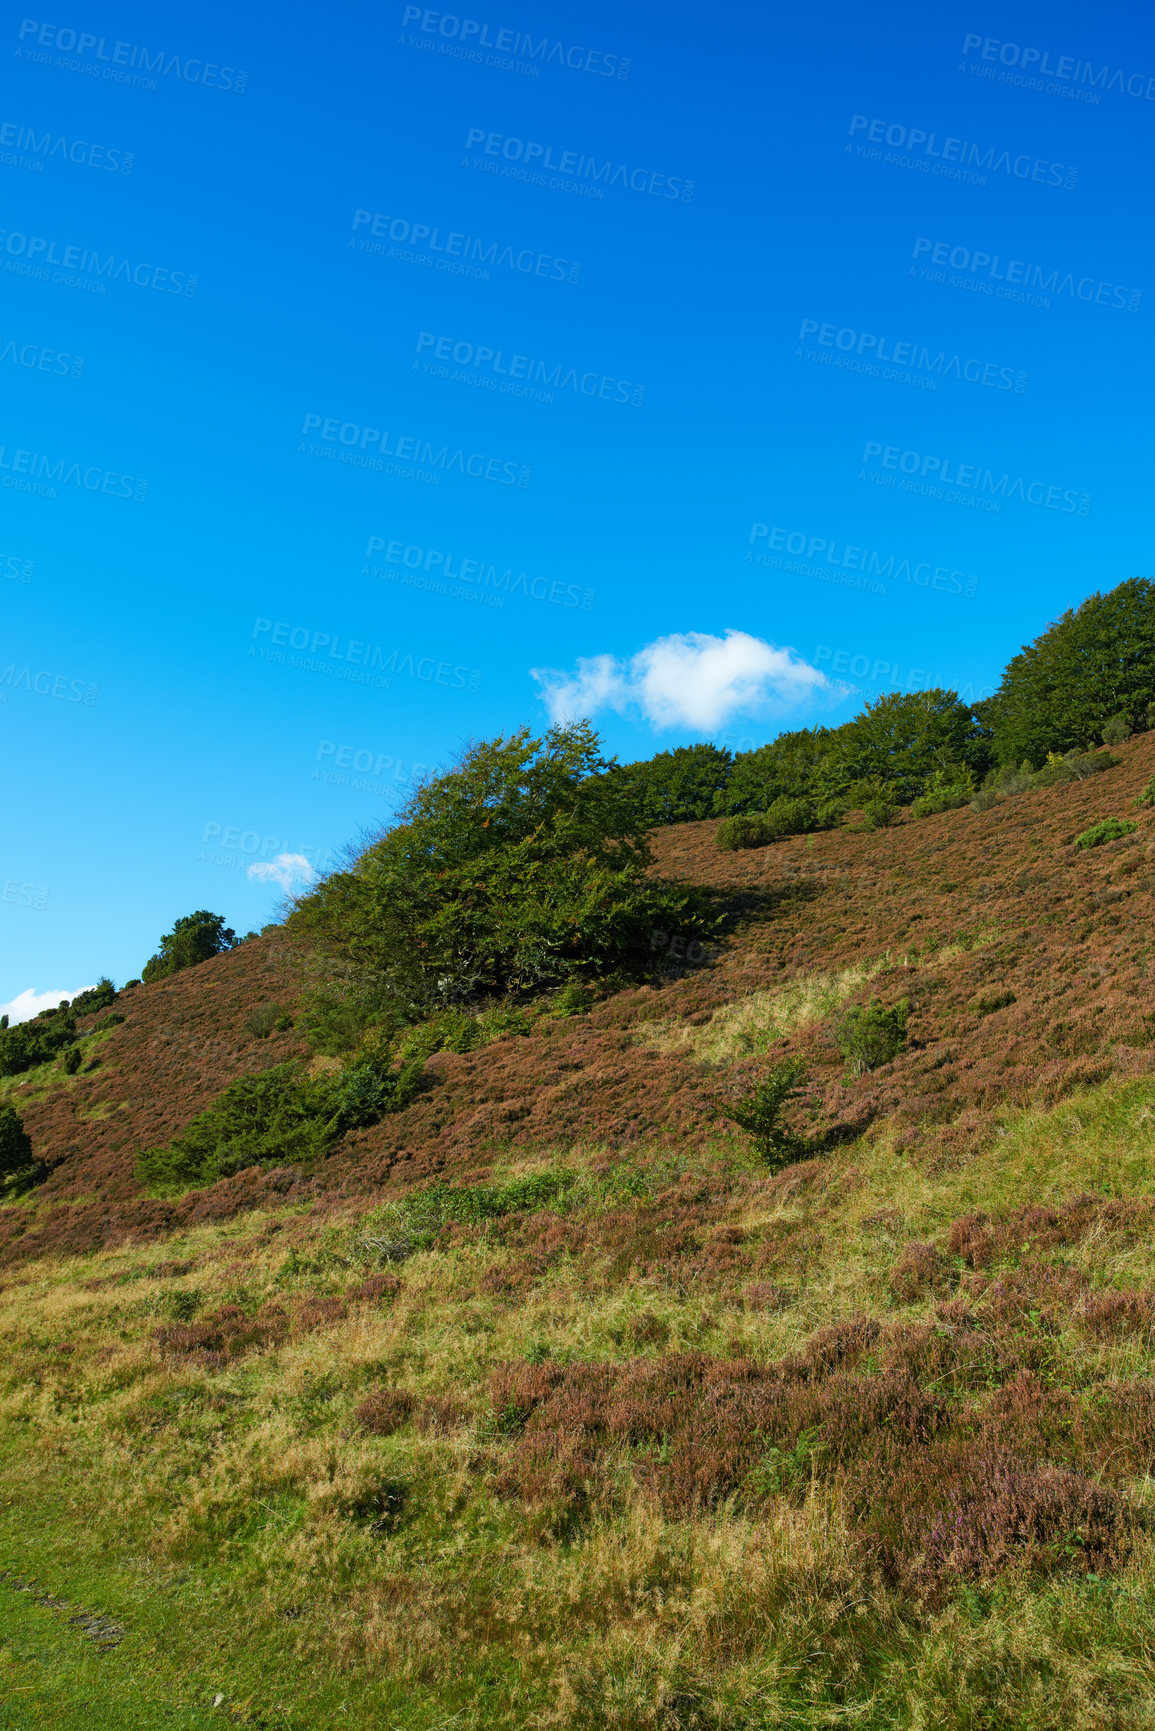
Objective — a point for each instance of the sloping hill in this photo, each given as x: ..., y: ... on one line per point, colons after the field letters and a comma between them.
x: 956, y: 912
x: 544, y: 1403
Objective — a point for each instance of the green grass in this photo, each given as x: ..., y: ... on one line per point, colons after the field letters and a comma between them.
x: 225, y: 1517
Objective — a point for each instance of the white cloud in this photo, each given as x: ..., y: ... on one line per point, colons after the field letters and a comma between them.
x: 290, y: 870
x: 27, y: 1004
x: 688, y: 679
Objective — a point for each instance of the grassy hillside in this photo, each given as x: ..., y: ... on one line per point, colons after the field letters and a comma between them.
x: 543, y: 1402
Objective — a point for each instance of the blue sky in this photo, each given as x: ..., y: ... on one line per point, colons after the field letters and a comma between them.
x: 358, y: 321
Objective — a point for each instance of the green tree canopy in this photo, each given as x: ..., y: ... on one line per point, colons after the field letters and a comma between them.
x: 675, y: 786
x: 520, y: 868
x: 902, y: 739
x: 786, y: 768
x: 1095, y: 662
x: 193, y: 939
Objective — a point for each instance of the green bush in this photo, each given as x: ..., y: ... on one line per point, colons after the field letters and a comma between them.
x: 785, y: 816
x: 426, y: 1211
x: 71, y: 1060
x: 870, y: 1035
x: 948, y: 791
x: 1107, y: 829
x: 760, y: 1114
x: 735, y: 833
x: 97, y: 997
x: 280, y: 1115
x: 518, y: 870
x: 1057, y: 771
x: 193, y: 939
x: 1116, y: 730
x: 879, y: 811
x: 574, y: 999
x: 15, y: 1143
x: 36, y: 1042
x: 1147, y: 797
x: 261, y: 1021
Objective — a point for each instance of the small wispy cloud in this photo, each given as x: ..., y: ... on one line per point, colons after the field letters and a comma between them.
x: 688, y: 679
x: 27, y: 1004
x: 291, y: 870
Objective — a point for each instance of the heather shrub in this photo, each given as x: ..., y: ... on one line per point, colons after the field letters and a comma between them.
x: 15, y: 1143
x: 870, y: 1035
x: 760, y: 1114
x: 384, y: 1411
x: 1107, y: 829
x: 280, y: 1115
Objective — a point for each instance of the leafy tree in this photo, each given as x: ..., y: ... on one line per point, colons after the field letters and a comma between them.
x: 675, y: 786
x: 97, y: 997
x: 1094, y: 664
x: 193, y: 939
x: 522, y: 867
x: 903, y: 740
x: 870, y: 1035
x: 760, y: 1114
x: 789, y: 767
x: 15, y: 1143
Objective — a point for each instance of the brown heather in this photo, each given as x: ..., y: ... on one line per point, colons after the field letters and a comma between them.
x: 866, y: 1441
